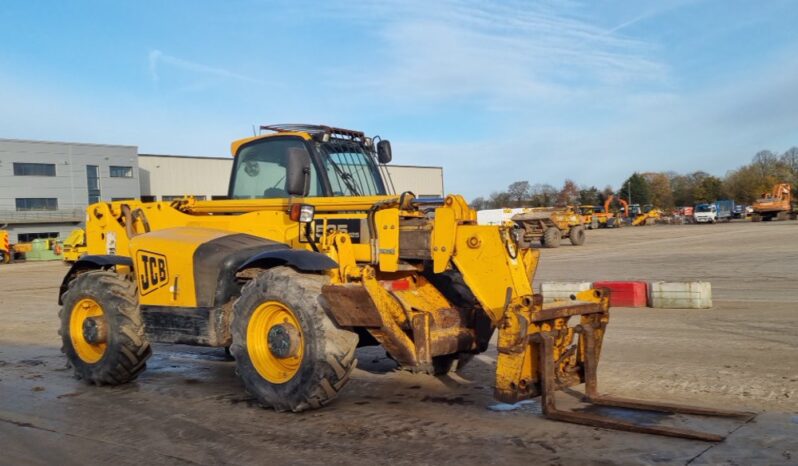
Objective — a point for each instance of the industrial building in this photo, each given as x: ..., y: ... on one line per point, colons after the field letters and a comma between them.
x: 46, y: 186
x: 167, y: 177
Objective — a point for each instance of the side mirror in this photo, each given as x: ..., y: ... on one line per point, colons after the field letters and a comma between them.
x: 297, y: 172
x: 384, y: 151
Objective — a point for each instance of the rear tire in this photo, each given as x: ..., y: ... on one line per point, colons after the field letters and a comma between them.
x: 123, y: 355
x: 551, y: 238
x: 326, y: 353
x: 577, y: 235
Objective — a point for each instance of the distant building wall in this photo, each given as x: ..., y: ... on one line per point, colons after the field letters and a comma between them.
x: 173, y: 176
x: 47, y: 192
x: 166, y: 176
x: 45, y: 186
x: 421, y: 181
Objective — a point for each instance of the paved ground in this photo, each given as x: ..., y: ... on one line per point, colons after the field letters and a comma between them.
x: 188, y: 407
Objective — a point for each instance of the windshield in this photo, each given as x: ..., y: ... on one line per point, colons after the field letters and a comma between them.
x: 350, y: 170
x: 260, y: 169
x: 703, y: 208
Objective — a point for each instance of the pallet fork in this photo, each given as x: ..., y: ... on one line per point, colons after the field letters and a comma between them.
x: 589, y: 344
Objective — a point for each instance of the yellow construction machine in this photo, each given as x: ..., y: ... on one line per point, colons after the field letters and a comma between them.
x: 74, y: 246
x: 549, y: 225
x: 311, y: 257
x: 6, y: 250
x: 645, y: 216
x: 594, y: 216
x: 9, y: 252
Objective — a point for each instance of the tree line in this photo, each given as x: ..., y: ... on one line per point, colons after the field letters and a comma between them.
x: 665, y: 190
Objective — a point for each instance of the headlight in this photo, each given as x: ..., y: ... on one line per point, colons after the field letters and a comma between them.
x: 302, y: 213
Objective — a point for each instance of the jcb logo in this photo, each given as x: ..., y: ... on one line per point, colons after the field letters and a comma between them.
x: 152, y: 271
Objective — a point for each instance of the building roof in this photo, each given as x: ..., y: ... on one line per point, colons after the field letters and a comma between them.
x: 66, y: 142
x: 202, y: 157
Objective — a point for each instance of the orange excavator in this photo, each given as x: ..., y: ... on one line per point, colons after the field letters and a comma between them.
x: 773, y: 205
x: 616, y: 219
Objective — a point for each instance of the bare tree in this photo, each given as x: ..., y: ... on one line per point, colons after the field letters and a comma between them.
x: 479, y: 203
x: 519, y: 191
x: 499, y: 200
x: 790, y: 159
x: 569, y: 194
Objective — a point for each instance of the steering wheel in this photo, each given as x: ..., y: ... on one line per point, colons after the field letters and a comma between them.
x: 274, y: 192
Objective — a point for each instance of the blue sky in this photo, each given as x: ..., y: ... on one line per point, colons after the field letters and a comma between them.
x: 492, y: 91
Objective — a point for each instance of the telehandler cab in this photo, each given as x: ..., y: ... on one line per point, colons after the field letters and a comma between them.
x: 312, y: 256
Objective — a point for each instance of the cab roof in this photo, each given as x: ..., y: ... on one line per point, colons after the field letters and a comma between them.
x: 304, y: 131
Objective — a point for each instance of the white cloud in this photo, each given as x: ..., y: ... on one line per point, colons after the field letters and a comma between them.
x: 549, y: 94
x: 157, y: 58
x: 712, y: 130
x: 504, y: 53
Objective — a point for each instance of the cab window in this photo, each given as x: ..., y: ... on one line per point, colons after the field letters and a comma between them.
x: 260, y: 169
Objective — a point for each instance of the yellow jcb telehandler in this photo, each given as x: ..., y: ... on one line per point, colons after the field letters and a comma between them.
x: 311, y: 257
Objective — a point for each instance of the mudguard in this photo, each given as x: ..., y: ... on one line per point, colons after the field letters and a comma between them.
x: 217, y: 262
x: 306, y: 261
x: 91, y: 263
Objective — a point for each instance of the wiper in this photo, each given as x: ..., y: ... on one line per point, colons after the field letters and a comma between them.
x: 350, y: 183
x: 346, y: 177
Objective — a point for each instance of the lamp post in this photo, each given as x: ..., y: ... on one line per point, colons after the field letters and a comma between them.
x: 629, y: 190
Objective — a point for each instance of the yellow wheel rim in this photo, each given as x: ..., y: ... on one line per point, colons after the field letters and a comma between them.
x: 86, y: 351
x: 269, y: 318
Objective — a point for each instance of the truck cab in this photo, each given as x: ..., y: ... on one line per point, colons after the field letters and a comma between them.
x: 705, y: 213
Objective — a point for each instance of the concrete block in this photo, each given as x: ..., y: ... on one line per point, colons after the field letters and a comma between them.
x: 554, y: 291
x: 626, y: 294
x: 681, y: 295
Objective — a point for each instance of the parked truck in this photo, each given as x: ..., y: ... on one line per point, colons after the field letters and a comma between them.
x: 725, y: 210
x: 546, y: 225
x: 718, y: 211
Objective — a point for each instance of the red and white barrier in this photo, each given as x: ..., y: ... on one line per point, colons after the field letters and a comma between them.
x: 658, y: 294
x: 626, y: 294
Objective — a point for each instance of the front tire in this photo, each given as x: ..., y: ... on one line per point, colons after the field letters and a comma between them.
x: 551, y: 238
x: 577, y: 235
x: 102, y: 331
x: 289, y: 354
